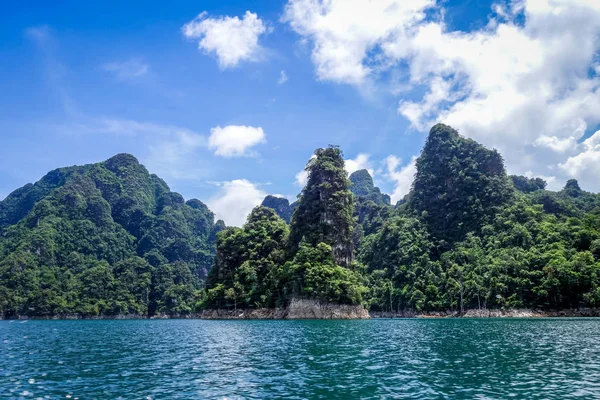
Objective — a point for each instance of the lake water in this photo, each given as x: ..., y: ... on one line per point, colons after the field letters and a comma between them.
x: 372, y: 359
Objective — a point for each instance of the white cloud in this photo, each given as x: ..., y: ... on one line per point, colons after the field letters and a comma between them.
x: 518, y: 84
x: 235, y: 200
x: 127, y: 70
x: 556, y: 144
x: 235, y: 140
x: 283, y: 78
x: 233, y: 40
x: 402, y: 176
x: 302, y: 178
x: 585, y: 166
x: 360, y: 162
x: 418, y: 113
x: 343, y: 32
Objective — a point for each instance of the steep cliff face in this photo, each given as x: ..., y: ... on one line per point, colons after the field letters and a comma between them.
x: 314, y: 309
x: 325, y: 207
x: 297, y: 309
x: 459, y: 185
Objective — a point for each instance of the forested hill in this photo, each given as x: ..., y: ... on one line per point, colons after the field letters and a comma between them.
x: 466, y: 236
x: 106, y: 238
x: 110, y: 238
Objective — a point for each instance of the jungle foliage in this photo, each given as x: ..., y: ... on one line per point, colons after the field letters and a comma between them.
x: 266, y: 263
x: 470, y: 236
x: 103, y: 239
x: 110, y: 238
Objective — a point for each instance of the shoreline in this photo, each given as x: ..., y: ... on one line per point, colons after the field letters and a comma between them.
x: 492, y: 313
x: 324, y: 311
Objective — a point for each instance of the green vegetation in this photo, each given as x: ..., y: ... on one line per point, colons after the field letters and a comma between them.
x: 248, y: 269
x: 325, y: 207
x: 371, y: 207
x: 459, y: 185
x: 468, y: 237
x: 103, y: 239
x: 265, y: 264
x: 110, y: 238
x: 528, y: 185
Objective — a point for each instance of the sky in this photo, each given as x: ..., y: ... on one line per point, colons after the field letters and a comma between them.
x: 227, y: 100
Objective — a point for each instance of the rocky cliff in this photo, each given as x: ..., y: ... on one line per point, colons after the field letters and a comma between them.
x: 297, y: 309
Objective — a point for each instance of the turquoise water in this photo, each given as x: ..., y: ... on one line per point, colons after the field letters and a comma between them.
x: 405, y: 359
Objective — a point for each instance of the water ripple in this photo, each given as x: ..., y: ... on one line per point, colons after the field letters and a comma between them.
x: 399, y: 359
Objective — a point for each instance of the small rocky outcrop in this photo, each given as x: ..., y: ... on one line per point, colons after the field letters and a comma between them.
x: 314, y: 309
x: 297, y: 309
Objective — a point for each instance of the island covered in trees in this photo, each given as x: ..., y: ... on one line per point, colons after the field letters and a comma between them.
x: 110, y: 239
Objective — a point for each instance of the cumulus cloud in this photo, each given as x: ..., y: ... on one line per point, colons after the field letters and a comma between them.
x: 585, y: 165
x: 343, y: 32
x: 518, y: 84
x: 360, y: 162
x: 235, y: 140
x: 127, y: 70
x: 235, y: 200
x: 302, y: 178
x: 402, y: 176
x: 231, y: 39
x: 524, y: 87
x: 556, y: 144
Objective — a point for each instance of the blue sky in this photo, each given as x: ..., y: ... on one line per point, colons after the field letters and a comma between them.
x: 227, y: 100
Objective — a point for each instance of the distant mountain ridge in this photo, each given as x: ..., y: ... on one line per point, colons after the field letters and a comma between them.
x: 281, y: 206
x: 363, y: 187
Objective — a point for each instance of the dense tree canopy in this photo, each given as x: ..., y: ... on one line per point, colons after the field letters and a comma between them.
x: 248, y: 270
x: 371, y: 206
x: 466, y: 239
x: 110, y: 238
x: 362, y: 186
x: 262, y: 264
x: 459, y: 185
x: 527, y: 185
x: 102, y: 239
